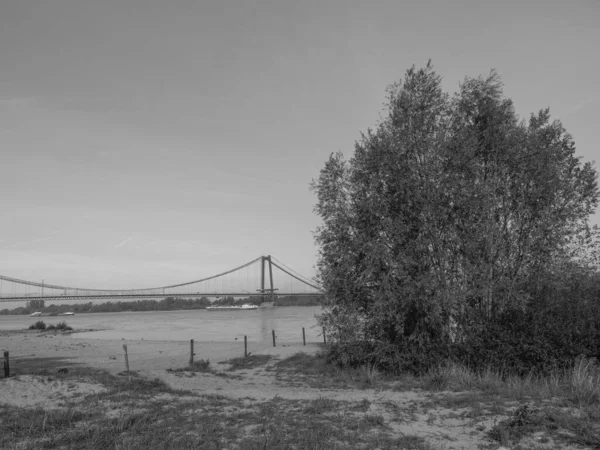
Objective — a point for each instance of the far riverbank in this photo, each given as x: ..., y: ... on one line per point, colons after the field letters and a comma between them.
x: 166, y: 304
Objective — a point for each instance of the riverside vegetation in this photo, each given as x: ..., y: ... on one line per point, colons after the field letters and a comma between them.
x: 166, y: 304
x: 41, y: 325
x: 460, y: 232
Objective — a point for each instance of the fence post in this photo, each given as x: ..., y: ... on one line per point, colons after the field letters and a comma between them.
x: 303, y: 337
x: 191, y: 352
x: 245, y: 346
x: 273, y: 331
x: 126, y: 358
x: 324, y: 336
x: 6, y: 365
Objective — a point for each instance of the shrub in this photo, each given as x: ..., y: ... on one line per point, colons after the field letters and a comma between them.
x: 584, y: 381
x: 63, y: 326
x: 248, y: 362
x: 200, y: 365
x: 39, y: 325
x: 551, y: 332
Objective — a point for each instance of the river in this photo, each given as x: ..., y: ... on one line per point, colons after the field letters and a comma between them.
x: 200, y: 325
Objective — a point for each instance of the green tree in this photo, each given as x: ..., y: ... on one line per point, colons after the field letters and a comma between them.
x: 36, y: 304
x: 445, y: 212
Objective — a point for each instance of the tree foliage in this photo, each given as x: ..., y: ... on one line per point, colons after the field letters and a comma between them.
x: 36, y: 305
x: 445, y: 218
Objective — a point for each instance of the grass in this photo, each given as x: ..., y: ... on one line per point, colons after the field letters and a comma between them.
x: 584, y: 381
x: 569, y: 401
x: 316, y: 372
x: 201, y: 365
x: 137, y: 413
x: 148, y: 414
x: 248, y: 362
x: 39, y: 365
x: 580, y: 384
x: 235, y: 364
x: 563, y: 406
x: 556, y: 425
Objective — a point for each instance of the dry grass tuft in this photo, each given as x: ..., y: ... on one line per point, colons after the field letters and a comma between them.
x: 584, y: 381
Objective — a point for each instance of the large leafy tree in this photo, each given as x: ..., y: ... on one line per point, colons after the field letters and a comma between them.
x: 446, y: 211
x: 36, y: 304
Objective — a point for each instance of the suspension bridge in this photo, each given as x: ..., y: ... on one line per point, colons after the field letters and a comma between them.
x: 264, y: 276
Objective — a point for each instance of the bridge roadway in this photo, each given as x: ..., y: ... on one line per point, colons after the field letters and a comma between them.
x: 142, y: 296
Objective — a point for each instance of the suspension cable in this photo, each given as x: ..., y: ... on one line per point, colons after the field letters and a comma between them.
x: 53, y: 286
x: 292, y: 270
x: 294, y: 276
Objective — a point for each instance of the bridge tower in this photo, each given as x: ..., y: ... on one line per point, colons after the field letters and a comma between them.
x: 271, y: 290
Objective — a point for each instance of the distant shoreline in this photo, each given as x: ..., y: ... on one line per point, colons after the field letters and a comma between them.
x: 166, y: 304
x: 45, y: 315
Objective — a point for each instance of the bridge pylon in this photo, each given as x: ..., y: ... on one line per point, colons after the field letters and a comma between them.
x: 262, y: 289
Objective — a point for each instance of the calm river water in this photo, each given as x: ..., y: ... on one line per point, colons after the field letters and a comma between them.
x: 200, y: 325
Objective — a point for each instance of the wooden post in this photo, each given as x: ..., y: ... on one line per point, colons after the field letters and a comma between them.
x: 191, y: 352
x: 273, y: 332
x: 324, y: 336
x: 126, y: 358
x: 303, y: 337
x: 245, y: 346
x: 6, y: 365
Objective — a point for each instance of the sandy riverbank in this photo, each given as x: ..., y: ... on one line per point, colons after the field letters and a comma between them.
x: 33, y: 350
x: 405, y: 411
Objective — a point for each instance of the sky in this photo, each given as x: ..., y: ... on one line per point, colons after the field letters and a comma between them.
x: 147, y: 142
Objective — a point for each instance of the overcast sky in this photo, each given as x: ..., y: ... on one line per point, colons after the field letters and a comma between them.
x: 148, y: 142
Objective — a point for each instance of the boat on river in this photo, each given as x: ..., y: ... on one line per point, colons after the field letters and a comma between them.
x: 35, y: 314
x: 244, y: 307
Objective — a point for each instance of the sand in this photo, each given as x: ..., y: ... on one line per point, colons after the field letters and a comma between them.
x: 44, y: 391
x: 32, y: 350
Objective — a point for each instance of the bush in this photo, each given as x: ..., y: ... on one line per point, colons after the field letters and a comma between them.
x: 60, y: 326
x: 556, y: 328
x: 351, y: 354
x: 63, y: 326
x: 200, y: 365
x: 39, y: 325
